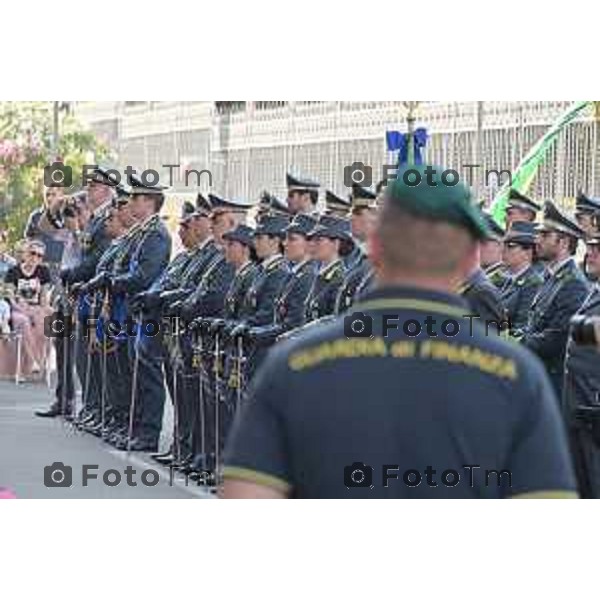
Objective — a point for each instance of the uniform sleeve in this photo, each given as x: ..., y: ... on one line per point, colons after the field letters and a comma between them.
x: 209, y: 298
x: 265, y: 307
x: 525, y: 300
x: 540, y: 462
x: 86, y: 269
x: 551, y: 341
x: 257, y: 451
x: 149, y: 262
x: 295, y: 316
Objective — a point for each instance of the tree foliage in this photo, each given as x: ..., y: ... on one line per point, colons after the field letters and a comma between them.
x: 26, y: 147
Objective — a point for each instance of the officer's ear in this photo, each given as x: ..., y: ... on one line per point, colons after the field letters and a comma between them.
x: 471, y: 259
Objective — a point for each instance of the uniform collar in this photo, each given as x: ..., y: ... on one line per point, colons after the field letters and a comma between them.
x: 205, y: 243
x: 149, y: 219
x: 491, y: 268
x: 269, y: 261
x: 406, y: 297
x: 297, y: 267
x: 475, y: 277
x: 245, y: 266
x: 519, y: 273
x: 329, y: 266
x: 555, y: 268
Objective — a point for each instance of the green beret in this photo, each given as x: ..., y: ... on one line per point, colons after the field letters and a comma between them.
x: 437, y: 194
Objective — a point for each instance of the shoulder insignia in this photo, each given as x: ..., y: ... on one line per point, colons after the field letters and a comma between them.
x: 275, y: 264
x: 335, y: 270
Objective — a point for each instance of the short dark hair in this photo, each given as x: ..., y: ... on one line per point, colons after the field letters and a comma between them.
x: 417, y: 245
x: 573, y: 242
x: 159, y: 200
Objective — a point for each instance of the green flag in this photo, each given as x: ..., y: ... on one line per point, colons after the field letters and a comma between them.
x: 528, y: 167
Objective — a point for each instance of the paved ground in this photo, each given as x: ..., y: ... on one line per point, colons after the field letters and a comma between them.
x: 28, y: 444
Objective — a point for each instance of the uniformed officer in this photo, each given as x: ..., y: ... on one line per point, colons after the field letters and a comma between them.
x: 258, y: 309
x: 521, y: 208
x: 101, y: 420
x: 581, y: 397
x: 270, y: 205
x: 303, y: 194
x: 483, y: 297
x: 523, y: 280
x: 149, y: 257
x: 227, y: 214
x: 97, y: 301
x: 561, y: 295
x: 587, y: 213
x: 178, y: 280
x: 328, y: 236
x: 290, y: 302
x: 491, y: 253
x: 207, y: 302
x: 238, y: 252
x: 336, y: 205
x: 329, y: 414
x: 360, y: 271
x: 200, y: 293
x: 94, y: 242
x: 101, y: 188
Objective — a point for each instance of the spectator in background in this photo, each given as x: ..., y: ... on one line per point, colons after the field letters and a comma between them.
x: 30, y: 280
x: 46, y: 224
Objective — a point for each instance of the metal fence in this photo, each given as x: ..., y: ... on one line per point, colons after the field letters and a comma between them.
x: 248, y: 146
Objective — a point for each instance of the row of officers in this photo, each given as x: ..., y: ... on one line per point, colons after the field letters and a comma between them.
x: 220, y: 303
x: 235, y: 290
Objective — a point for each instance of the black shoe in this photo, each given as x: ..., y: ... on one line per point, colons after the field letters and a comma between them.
x: 91, y: 426
x: 141, y: 446
x: 88, y: 419
x: 53, y: 411
x: 97, y: 431
x: 115, y: 440
x: 156, y: 455
x: 169, y: 459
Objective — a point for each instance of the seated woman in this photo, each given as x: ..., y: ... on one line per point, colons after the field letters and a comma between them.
x: 30, y: 281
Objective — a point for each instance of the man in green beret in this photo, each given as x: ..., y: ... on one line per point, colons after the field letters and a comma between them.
x: 398, y: 398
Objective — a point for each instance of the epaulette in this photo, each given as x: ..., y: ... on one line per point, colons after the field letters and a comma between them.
x: 493, y: 269
x: 336, y: 268
x: 463, y: 288
x: 566, y: 275
x: 275, y: 264
x: 218, y: 260
x: 532, y: 277
x: 244, y: 270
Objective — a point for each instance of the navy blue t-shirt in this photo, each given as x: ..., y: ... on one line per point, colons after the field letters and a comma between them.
x: 453, y: 416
